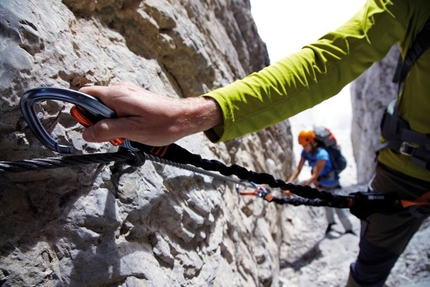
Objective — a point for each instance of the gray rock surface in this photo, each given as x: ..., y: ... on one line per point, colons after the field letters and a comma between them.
x: 113, y: 225
x: 370, y: 95
x: 154, y: 225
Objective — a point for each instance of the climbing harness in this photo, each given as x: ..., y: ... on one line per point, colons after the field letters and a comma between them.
x: 396, y: 132
x: 89, y: 110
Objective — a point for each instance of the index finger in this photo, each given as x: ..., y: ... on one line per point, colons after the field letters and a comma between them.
x: 99, y: 92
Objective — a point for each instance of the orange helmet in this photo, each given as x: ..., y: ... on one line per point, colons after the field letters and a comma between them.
x: 306, y: 137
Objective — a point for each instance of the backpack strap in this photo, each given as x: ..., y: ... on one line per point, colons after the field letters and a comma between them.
x: 419, y: 46
x: 395, y: 130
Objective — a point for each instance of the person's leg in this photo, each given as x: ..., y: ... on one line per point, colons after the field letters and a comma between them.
x: 343, y: 217
x: 330, y: 218
x: 341, y: 213
x: 385, y: 236
x: 329, y: 215
x: 329, y: 211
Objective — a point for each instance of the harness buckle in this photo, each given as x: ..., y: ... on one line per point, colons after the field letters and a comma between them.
x: 406, y: 149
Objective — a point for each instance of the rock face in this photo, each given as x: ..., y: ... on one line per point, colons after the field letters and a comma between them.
x: 116, y: 225
x: 370, y: 95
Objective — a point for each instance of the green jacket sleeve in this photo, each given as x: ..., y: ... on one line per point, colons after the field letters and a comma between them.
x: 315, y: 73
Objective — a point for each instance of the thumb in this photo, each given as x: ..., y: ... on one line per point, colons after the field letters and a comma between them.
x: 102, y: 131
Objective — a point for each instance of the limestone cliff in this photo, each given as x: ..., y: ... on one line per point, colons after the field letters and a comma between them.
x: 155, y: 225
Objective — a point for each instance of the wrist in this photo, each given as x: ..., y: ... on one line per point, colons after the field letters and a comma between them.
x: 200, y: 114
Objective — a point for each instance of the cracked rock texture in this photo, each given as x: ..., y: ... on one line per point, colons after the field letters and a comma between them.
x: 154, y: 225
x: 116, y: 225
x: 370, y: 95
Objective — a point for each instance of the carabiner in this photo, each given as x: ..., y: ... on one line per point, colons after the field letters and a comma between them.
x: 259, y: 191
x: 96, y: 108
x: 256, y: 192
x: 87, y: 119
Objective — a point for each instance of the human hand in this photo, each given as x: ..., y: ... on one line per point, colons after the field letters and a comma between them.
x: 149, y: 118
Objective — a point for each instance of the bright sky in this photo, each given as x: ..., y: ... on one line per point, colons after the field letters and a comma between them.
x: 286, y: 26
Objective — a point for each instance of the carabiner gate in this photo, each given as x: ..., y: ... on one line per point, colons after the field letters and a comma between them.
x: 93, y: 106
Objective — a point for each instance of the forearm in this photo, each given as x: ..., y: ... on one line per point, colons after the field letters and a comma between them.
x: 294, y: 175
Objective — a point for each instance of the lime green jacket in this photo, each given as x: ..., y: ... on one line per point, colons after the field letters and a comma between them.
x: 321, y: 69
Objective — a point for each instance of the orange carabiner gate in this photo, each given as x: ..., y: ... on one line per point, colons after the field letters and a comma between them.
x: 87, y: 119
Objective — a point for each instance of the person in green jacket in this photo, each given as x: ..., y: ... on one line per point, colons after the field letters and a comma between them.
x: 295, y: 83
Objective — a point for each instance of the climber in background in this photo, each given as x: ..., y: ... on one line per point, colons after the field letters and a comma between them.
x: 323, y: 174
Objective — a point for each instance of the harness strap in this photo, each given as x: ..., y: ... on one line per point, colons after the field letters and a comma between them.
x: 419, y: 46
x: 394, y: 129
x: 402, y: 139
x: 422, y: 200
x: 419, y: 155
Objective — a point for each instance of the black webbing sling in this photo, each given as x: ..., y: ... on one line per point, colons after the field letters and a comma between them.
x: 396, y: 131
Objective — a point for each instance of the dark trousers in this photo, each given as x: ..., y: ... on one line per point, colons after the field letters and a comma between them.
x: 385, y: 236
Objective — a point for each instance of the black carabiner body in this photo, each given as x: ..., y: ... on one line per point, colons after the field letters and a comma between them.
x: 30, y: 97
